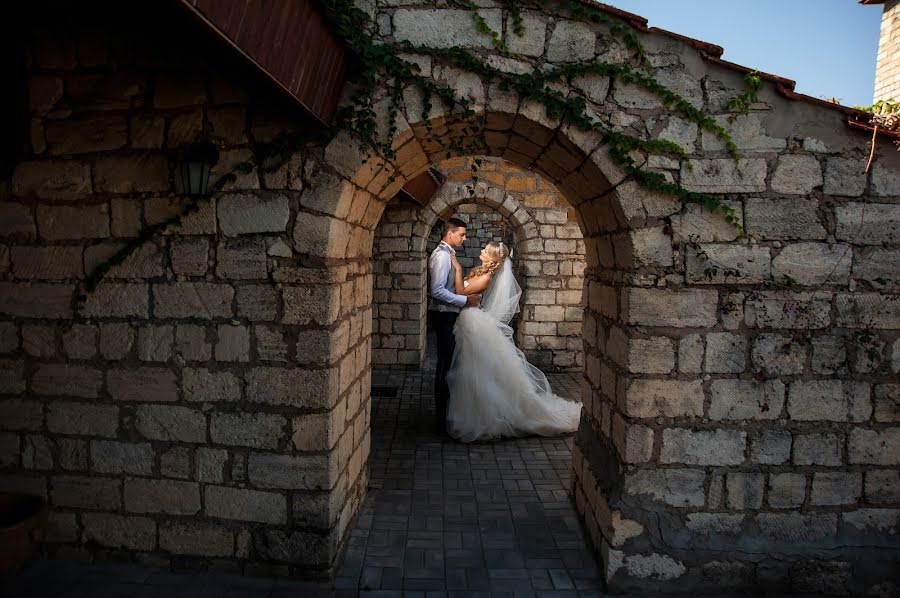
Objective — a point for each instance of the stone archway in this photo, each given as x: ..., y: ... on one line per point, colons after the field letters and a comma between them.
x: 400, y: 301
x: 668, y: 479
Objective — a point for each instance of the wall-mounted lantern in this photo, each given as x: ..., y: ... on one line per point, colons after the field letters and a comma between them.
x: 194, y: 165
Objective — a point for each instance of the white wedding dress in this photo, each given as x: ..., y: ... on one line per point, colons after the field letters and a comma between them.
x: 494, y: 391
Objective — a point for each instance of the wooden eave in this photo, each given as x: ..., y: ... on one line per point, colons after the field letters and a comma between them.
x: 291, y: 42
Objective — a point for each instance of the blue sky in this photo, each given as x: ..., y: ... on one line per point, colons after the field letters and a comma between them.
x: 828, y: 47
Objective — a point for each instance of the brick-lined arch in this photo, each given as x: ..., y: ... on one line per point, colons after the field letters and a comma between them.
x: 549, y: 327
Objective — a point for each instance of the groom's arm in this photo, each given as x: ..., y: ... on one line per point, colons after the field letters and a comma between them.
x: 440, y: 269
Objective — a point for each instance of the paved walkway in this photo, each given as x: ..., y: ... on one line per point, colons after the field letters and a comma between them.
x: 442, y: 519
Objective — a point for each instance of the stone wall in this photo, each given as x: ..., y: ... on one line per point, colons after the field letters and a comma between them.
x: 740, y: 395
x: 740, y: 421
x: 185, y: 413
x: 887, y: 73
x: 549, y: 254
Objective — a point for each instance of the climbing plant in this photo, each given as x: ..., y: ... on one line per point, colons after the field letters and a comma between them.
x: 384, y: 65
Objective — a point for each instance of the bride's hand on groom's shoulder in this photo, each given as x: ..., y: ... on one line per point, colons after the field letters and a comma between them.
x: 455, y: 263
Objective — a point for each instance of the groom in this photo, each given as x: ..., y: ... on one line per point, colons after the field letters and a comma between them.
x: 444, y: 305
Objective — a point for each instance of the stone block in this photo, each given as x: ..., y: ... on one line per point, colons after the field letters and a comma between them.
x: 117, y: 300
x: 770, y: 447
x: 571, y: 41
x: 147, y: 132
x: 83, y: 419
x: 145, y: 384
x: 830, y: 400
x: 887, y: 403
x: 162, y: 496
x: 191, y: 344
x: 638, y: 444
x: 210, y: 464
x: 444, y: 28
x: 39, y: 340
x: 80, y: 341
x: 241, y: 214
x: 868, y: 223
x: 190, y: 257
x: 885, y: 180
x: 233, y: 343
x: 873, y: 447
x: 882, y: 520
x: 12, y: 376
x: 797, y: 528
x: 122, y: 457
x: 675, y: 487
x: 719, y: 263
x: 685, y: 308
x: 797, y: 175
x: 155, y: 342
x: 829, y: 354
x: 98, y: 134
x: 118, y: 531
x: 59, y: 181
x: 300, y: 547
x: 176, y: 463
x: 787, y: 490
x: 778, y: 355
x: 200, y: 221
x: 270, y: 344
x: 845, y: 177
x: 690, y: 354
x: 242, y: 259
x: 37, y: 452
x: 82, y: 492
x: 196, y: 539
x: 812, y: 264
x: 725, y: 176
x: 780, y: 309
x: 651, y: 356
x: 286, y: 472
x: 116, y: 340
x: 783, y: 219
x: 725, y: 353
x: 257, y: 430
x: 57, y: 262
x: 311, y: 305
x: 202, y: 385
x: 246, y: 505
x: 311, y: 389
x: 257, y: 302
x: 867, y: 310
x: 531, y: 43
x: 192, y: 300
x: 139, y: 173
x: 67, y: 380
x: 695, y: 447
x: 64, y: 223
x: 706, y: 524
x: 835, y: 488
x: 73, y: 454
x: 745, y: 399
x: 664, y: 398
x: 16, y: 219
x: 171, y: 423
x: 649, y: 247
x: 745, y: 490
x: 696, y: 223
x: 36, y: 300
x: 882, y: 486
x: 176, y: 89
x: 9, y: 337
x: 817, y: 449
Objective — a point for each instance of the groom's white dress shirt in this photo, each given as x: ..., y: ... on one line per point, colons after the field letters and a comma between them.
x: 442, y: 290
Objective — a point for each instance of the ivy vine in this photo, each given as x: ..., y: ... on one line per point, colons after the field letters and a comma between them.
x: 383, y: 62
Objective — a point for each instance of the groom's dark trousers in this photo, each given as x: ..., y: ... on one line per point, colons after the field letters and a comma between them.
x: 443, y: 322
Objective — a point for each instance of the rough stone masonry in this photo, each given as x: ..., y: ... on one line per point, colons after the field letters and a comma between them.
x: 208, y: 406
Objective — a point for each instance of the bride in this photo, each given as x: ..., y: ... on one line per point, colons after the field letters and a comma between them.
x: 494, y: 391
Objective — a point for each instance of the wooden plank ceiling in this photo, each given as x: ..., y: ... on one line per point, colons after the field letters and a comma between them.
x: 290, y: 41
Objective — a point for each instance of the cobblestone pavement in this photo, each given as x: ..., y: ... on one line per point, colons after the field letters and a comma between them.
x: 442, y: 519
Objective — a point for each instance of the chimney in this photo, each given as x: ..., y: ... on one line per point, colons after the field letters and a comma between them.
x: 887, y: 73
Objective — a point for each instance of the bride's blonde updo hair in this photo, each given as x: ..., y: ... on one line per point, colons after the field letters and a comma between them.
x: 498, y: 252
